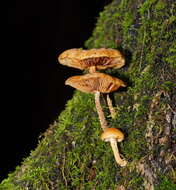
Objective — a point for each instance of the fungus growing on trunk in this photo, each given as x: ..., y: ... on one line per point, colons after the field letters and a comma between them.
x: 93, y: 59
x: 113, y: 136
x: 96, y: 83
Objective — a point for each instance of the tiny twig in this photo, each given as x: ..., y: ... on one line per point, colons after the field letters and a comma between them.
x: 63, y: 172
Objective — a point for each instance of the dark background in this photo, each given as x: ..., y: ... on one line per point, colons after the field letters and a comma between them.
x: 37, y: 32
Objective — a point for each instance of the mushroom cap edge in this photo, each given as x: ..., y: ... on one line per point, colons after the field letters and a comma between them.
x: 110, y: 133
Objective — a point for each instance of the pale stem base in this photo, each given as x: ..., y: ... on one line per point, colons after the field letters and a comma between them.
x: 115, y: 149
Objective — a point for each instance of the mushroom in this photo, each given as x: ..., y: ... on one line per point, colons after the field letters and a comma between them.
x: 93, y: 59
x: 113, y: 136
x: 96, y: 83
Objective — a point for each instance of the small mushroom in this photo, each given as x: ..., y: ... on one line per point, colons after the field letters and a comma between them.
x: 96, y: 83
x: 93, y: 59
x: 113, y: 136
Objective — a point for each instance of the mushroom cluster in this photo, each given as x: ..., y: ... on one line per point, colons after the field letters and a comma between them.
x: 97, y: 83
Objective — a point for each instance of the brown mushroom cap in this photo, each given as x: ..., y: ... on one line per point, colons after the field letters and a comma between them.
x: 83, y: 59
x: 94, y: 82
x: 114, y: 133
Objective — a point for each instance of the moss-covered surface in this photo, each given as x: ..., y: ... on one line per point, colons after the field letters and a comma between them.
x: 71, y: 155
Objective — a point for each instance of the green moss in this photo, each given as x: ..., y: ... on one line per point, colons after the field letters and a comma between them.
x: 135, y: 181
x: 165, y: 184
x: 160, y: 5
x: 167, y: 86
x: 7, y: 185
x: 71, y: 155
x: 172, y: 55
x: 146, y: 6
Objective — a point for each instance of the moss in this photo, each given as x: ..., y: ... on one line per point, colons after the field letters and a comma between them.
x: 70, y: 155
x: 167, y: 86
x: 165, y: 184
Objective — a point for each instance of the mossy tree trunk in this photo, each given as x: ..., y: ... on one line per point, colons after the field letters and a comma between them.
x: 71, y: 154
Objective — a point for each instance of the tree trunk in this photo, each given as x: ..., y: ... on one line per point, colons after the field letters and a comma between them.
x: 71, y: 154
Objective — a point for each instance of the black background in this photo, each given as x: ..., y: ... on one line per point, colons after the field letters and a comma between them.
x: 37, y: 32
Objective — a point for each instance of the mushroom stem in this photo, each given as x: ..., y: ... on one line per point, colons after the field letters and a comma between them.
x: 115, y: 149
x: 92, y: 69
x: 111, y: 108
x: 100, y: 112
